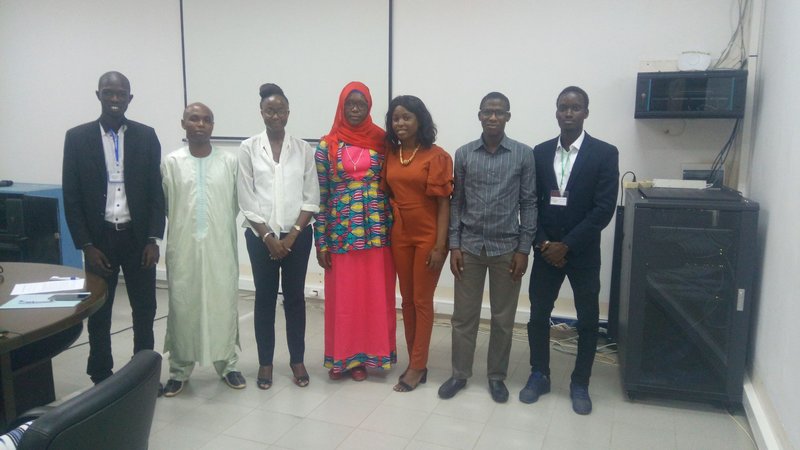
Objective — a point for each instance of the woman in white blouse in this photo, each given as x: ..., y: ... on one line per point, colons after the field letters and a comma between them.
x: 278, y: 195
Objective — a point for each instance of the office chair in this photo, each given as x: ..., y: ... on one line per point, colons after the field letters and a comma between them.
x: 115, y: 414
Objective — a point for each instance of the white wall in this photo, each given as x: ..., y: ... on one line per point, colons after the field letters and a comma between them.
x: 234, y: 46
x: 450, y: 55
x: 53, y: 53
x: 447, y: 53
x: 774, y: 184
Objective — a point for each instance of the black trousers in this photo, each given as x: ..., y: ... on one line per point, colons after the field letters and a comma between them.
x: 123, y: 253
x: 290, y: 272
x: 545, y: 283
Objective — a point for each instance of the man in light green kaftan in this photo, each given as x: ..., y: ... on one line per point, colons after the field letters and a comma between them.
x: 202, y: 264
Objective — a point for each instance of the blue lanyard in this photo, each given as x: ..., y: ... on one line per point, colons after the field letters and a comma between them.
x: 115, y: 136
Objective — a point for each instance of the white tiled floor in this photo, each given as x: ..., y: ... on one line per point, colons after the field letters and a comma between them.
x: 369, y: 415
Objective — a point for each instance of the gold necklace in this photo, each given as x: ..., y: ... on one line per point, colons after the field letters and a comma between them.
x: 406, y: 162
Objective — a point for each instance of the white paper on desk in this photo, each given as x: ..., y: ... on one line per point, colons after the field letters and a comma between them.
x: 37, y: 301
x: 47, y: 286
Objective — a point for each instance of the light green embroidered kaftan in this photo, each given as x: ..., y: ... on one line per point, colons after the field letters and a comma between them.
x: 202, y: 261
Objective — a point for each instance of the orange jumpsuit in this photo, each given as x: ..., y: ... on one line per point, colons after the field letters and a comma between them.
x: 413, y: 190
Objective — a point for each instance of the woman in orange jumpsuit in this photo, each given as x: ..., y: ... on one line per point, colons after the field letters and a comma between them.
x: 418, y: 177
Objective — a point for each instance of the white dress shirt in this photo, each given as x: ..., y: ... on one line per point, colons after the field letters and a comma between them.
x: 272, y: 192
x: 116, y: 201
x: 565, y: 159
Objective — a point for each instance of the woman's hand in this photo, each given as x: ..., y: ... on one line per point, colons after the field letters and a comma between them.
x: 275, y: 247
x: 436, y: 259
x: 324, y: 259
x: 289, y: 240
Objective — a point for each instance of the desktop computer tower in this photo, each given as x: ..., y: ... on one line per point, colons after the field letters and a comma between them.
x: 688, y: 260
x: 29, y: 229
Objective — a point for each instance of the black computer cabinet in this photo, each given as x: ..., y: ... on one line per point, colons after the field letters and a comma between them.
x: 686, y: 293
x: 29, y: 229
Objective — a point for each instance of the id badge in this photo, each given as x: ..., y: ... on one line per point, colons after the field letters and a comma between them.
x: 556, y: 199
x: 116, y: 177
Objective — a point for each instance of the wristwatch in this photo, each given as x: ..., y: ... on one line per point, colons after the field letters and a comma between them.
x: 297, y: 227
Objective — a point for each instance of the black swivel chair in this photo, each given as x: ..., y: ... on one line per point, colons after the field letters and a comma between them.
x: 115, y: 414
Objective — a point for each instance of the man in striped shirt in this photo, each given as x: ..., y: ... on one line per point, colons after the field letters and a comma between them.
x: 492, y: 226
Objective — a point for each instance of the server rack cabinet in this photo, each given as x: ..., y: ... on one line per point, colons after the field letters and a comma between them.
x: 691, y: 94
x: 686, y: 293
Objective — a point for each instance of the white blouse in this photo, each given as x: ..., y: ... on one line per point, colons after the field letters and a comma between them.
x: 275, y: 193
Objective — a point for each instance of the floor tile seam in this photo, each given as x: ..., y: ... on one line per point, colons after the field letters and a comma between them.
x: 548, y: 414
x: 671, y: 427
x: 166, y: 430
x: 291, y: 429
x: 426, y: 411
x: 209, y: 403
x: 487, y: 426
x: 371, y: 411
x: 418, y: 439
x: 225, y: 433
x: 577, y: 439
x: 264, y: 407
x: 309, y: 419
x: 193, y: 425
x: 422, y: 423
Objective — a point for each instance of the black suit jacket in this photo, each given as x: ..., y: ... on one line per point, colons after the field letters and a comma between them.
x: 85, y: 180
x: 592, y: 192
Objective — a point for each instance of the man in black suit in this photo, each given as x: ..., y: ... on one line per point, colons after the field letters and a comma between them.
x: 114, y: 207
x: 576, y: 180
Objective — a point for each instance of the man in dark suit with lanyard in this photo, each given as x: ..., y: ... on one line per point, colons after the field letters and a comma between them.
x: 576, y: 180
x: 114, y: 207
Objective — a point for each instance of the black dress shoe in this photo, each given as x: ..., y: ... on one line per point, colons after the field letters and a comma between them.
x: 498, y: 390
x: 451, y: 387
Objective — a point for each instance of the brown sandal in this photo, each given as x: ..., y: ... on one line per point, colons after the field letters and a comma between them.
x: 402, y: 386
x: 302, y: 379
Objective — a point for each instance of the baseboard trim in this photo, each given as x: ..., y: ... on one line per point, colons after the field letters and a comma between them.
x: 760, y: 420
x: 441, y: 304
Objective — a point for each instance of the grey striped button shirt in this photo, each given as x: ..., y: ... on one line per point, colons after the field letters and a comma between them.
x: 494, y: 199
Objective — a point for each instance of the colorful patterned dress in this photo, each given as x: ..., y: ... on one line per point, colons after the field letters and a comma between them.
x: 353, y: 226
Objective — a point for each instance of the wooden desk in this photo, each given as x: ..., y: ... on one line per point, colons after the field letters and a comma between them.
x: 25, y: 326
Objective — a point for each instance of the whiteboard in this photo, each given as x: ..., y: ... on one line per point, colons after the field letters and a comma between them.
x: 310, y: 48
